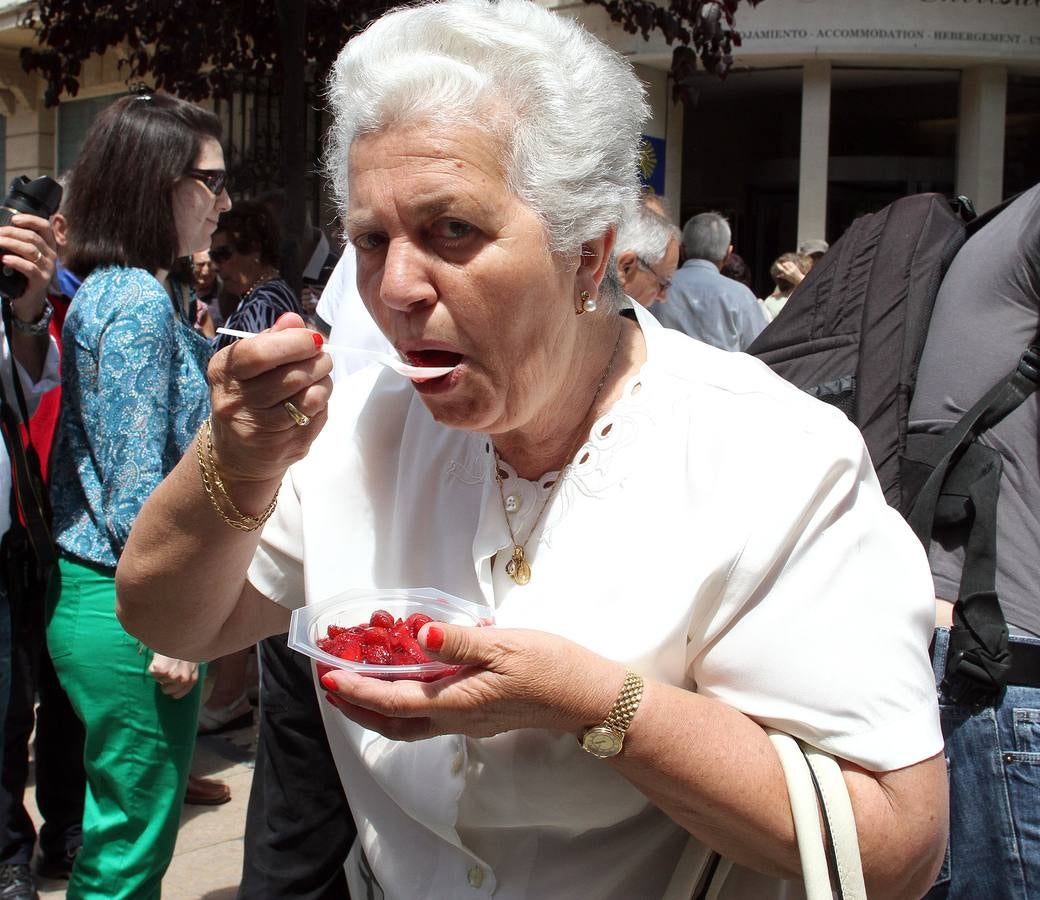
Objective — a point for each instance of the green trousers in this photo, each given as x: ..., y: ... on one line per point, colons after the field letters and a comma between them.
x: 139, y: 742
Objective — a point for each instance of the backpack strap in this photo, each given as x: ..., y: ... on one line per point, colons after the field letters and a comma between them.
x: 963, y: 487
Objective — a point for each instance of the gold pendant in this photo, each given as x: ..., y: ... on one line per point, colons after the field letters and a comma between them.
x: 517, y: 568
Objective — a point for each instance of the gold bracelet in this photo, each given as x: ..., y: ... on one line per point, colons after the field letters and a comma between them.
x: 211, y: 477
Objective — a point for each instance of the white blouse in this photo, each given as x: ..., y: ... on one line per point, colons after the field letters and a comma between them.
x: 789, y: 591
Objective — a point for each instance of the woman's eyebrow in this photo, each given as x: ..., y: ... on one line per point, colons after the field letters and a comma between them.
x: 425, y: 207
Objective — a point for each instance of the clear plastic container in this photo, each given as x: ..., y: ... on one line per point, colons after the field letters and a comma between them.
x: 354, y: 607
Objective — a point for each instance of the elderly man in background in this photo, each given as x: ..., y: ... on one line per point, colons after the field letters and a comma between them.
x: 646, y: 255
x: 703, y: 302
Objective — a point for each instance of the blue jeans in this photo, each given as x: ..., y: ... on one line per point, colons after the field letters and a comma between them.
x: 993, y: 757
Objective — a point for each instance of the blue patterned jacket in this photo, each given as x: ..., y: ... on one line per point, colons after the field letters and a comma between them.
x: 134, y: 394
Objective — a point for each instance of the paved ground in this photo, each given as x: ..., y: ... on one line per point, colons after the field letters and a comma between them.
x: 207, y: 861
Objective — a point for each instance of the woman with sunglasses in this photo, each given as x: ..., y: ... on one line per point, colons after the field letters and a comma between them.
x: 134, y: 395
x: 245, y: 252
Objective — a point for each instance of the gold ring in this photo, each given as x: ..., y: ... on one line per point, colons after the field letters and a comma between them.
x: 298, y: 417
x: 39, y: 257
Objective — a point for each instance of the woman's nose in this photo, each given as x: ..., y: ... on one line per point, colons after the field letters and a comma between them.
x: 406, y: 279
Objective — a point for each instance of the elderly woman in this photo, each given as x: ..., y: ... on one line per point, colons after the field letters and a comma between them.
x: 245, y: 252
x: 594, y: 479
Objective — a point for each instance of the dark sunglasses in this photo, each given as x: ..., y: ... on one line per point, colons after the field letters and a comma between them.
x: 214, y: 179
x: 221, y: 254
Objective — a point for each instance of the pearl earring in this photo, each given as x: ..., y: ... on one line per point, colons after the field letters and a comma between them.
x: 588, y: 303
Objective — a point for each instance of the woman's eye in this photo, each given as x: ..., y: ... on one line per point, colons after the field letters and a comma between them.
x: 452, y: 229
x: 368, y: 241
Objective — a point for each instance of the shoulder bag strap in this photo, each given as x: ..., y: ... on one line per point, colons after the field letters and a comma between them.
x: 839, y: 821
x: 817, y: 790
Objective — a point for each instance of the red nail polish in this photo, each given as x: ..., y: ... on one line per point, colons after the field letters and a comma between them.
x: 434, y: 638
x: 318, y: 340
x: 328, y: 682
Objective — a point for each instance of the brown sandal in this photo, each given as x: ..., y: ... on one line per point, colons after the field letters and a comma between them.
x: 206, y: 791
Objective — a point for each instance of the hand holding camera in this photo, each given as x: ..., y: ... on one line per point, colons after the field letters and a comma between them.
x: 28, y: 250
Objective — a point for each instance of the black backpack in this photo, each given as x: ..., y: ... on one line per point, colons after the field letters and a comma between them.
x: 852, y: 334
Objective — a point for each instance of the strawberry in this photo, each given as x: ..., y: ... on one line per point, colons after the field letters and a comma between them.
x: 381, y: 619
x: 416, y: 621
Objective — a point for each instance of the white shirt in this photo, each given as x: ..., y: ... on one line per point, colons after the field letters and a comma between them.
x: 802, y: 600
x: 351, y: 326
x: 49, y: 378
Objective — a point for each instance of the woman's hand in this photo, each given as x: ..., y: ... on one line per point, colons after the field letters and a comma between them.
x: 176, y: 677
x: 515, y: 679
x: 790, y: 271
x: 28, y: 246
x: 255, y: 436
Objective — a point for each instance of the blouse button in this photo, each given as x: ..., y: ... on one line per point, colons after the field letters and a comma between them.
x: 475, y: 876
x: 457, y: 761
x: 512, y: 503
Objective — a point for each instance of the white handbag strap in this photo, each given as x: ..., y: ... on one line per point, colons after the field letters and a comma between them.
x: 814, y: 784
x: 804, y: 807
x: 840, y: 822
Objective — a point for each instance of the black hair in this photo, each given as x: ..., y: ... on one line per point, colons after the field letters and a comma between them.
x: 121, y: 211
x: 250, y: 228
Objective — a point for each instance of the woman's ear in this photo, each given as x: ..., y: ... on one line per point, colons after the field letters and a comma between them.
x: 593, y: 261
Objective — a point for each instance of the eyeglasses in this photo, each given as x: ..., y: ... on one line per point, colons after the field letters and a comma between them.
x: 221, y: 254
x: 662, y: 283
x: 214, y: 179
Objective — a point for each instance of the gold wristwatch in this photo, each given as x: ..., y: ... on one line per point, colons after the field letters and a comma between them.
x: 606, y: 740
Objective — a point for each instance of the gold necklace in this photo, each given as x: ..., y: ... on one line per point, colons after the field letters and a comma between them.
x: 518, y: 568
x: 259, y: 280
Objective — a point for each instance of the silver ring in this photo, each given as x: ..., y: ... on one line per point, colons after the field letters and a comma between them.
x: 299, y: 418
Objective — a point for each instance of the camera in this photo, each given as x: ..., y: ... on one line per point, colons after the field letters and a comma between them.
x: 38, y: 197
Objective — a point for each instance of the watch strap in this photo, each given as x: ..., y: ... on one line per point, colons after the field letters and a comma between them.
x: 624, y: 709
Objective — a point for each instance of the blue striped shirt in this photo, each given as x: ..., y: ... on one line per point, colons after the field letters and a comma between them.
x: 260, y: 310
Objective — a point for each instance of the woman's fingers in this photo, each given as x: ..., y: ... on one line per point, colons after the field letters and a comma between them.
x: 396, y: 727
x: 249, y: 358
x: 289, y: 382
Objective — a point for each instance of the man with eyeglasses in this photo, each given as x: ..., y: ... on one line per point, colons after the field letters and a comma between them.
x: 704, y: 303
x: 646, y: 255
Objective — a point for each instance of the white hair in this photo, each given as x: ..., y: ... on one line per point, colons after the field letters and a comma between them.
x: 707, y: 236
x: 646, y: 234
x: 568, y: 110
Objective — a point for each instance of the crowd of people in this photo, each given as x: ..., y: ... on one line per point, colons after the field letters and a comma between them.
x: 204, y: 486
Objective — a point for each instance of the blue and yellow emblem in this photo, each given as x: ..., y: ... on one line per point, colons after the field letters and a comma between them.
x: 651, y: 163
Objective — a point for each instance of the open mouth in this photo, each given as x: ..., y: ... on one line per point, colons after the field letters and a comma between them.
x: 433, y: 358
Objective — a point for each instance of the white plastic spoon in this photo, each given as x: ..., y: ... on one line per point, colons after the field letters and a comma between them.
x: 415, y: 373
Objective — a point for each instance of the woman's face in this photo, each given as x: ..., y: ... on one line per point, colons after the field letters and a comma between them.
x: 235, y: 269
x: 454, y: 269
x: 196, y: 208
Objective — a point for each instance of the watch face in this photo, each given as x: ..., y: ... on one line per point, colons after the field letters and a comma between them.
x: 602, y: 742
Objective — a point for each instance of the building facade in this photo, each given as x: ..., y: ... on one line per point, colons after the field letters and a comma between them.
x: 834, y: 108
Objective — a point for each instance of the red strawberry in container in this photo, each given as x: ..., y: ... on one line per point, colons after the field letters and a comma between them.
x: 376, y: 633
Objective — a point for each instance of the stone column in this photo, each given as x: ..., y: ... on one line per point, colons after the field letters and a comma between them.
x: 30, y: 144
x: 815, y: 150
x: 980, y: 135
